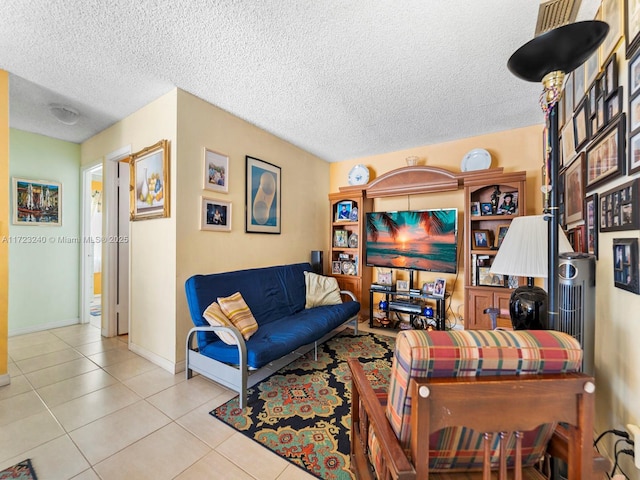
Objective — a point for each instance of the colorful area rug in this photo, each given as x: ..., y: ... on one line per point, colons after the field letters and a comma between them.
x: 303, y: 411
x: 20, y: 471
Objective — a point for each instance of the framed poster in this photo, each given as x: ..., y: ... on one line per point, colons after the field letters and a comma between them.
x: 625, y: 266
x: 149, y: 182
x: 634, y: 153
x: 632, y: 26
x: 611, y: 14
x: 619, y: 207
x: 215, y: 171
x: 263, y: 197
x: 215, y: 215
x: 36, y: 202
x: 574, y: 190
x: 605, y: 155
x: 591, y: 223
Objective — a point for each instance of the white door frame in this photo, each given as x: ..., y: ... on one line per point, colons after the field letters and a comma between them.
x: 109, y: 259
x: 86, y: 248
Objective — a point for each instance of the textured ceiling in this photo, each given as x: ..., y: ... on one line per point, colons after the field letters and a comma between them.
x: 341, y: 79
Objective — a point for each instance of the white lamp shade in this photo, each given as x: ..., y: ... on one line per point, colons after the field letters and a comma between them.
x: 524, y: 250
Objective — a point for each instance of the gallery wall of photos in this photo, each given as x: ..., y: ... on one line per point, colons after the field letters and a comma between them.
x: 600, y: 133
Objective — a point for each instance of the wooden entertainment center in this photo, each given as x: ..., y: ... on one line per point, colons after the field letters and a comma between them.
x: 347, y: 261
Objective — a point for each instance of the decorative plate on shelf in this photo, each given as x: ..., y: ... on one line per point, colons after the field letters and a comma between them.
x: 476, y: 159
x: 353, y: 240
x: 358, y: 175
x: 348, y: 268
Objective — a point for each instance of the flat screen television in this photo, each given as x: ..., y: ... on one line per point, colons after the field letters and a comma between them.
x: 413, y: 239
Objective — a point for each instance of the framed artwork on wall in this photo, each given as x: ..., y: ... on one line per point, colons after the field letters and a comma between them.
x: 578, y: 86
x: 581, y: 123
x: 216, y: 171
x: 36, y: 202
x: 634, y: 153
x: 574, y: 190
x: 215, y: 215
x: 263, y: 197
x: 568, y: 97
x: 619, y: 207
x: 605, y: 156
x: 632, y: 26
x: 149, y: 182
x: 611, y: 14
x: 591, y: 223
x: 625, y: 266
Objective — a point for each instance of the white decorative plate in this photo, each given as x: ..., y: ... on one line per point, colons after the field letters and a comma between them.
x: 359, y: 175
x: 476, y: 159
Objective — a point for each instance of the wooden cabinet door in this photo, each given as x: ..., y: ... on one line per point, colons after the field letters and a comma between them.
x: 479, y: 300
x: 501, y: 300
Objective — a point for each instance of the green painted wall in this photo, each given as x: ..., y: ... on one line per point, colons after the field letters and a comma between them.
x: 44, y: 268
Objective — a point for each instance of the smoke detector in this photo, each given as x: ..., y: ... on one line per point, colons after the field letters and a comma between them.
x: 555, y: 13
x: 64, y: 113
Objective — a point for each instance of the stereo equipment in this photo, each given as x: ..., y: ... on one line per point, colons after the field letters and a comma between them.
x: 406, y: 307
x: 316, y: 262
x: 577, y: 302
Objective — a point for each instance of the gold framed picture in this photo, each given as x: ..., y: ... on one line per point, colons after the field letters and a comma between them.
x: 149, y: 184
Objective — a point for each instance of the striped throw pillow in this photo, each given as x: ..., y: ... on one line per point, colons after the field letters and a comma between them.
x: 237, y: 310
x: 216, y: 318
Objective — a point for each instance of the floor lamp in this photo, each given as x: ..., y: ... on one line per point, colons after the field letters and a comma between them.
x: 547, y: 59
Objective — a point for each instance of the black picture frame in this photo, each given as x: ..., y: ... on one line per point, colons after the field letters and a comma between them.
x: 634, y: 153
x: 614, y: 105
x: 263, y: 206
x: 581, y: 124
x: 634, y: 75
x: 610, y: 76
x: 625, y: 264
x: 619, y: 207
x: 591, y: 219
x: 574, y: 190
x: 606, y: 154
x: 631, y: 27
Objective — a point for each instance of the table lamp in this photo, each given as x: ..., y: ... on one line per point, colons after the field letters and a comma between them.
x: 547, y: 59
x: 524, y: 253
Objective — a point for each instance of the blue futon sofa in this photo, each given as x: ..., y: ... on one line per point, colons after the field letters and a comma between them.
x: 286, y: 329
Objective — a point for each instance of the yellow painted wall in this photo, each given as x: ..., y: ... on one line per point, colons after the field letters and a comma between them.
x: 305, y: 205
x: 4, y: 225
x: 152, y: 243
x: 513, y: 150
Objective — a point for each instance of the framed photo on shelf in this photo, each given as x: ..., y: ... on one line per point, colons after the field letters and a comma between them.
x: 488, y: 279
x: 341, y: 238
x: 216, y: 171
x: 485, y: 208
x: 149, y: 184
x: 402, y: 286
x: 574, y: 190
x: 632, y: 26
x: 501, y: 232
x: 619, y: 207
x: 481, y: 239
x: 336, y: 267
x: 625, y: 266
x: 605, y: 156
x: 343, y: 211
x: 439, y: 287
x: 591, y: 223
x: 215, y: 215
x: 385, y: 278
x: 263, y: 197
x: 475, y: 209
x: 508, y: 203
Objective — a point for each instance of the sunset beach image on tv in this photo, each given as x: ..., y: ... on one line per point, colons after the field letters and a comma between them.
x: 416, y: 240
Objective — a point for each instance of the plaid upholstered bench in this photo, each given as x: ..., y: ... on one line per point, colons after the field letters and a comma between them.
x: 382, y: 431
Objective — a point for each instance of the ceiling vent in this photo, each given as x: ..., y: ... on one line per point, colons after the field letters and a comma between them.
x: 555, y: 13
x: 64, y: 113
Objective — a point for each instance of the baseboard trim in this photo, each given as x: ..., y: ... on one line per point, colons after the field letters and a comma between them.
x: 5, y: 380
x: 155, y: 359
x: 42, y: 326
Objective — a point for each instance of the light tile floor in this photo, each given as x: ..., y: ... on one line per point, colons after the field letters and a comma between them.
x: 85, y: 407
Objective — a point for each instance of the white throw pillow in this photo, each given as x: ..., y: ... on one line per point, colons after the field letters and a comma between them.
x: 321, y: 290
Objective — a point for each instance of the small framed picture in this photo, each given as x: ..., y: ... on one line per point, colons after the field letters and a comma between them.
x: 216, y: 171
x: 634, y: 113
x: 625, y: 266
x: 610, y: 76
x: 481, y: 239
x: 427, y: 288
x: 581, y: 124
x: 634, y: 153
x: 485, y: 208
x: 574, y: 190
x: 614, y: 105
x: 336, y: 267
x: 341, y: 238
x: 508, y: 203
x: 501, y: 232
x: 215, y: 215
x: 402, y: 286
x: 439, y: 287
x: 591, y: 218
x: 384, y: 278
x: 475, y: 208
x: 343, y: 211
x: 634, y: 75
x: 488, y: 279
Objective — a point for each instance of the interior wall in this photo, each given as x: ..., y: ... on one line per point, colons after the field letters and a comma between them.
x: 305, y: 204
x: 44, y: 261
x: 513, y: 150
x: 152, y: 242
x: 4, y: 226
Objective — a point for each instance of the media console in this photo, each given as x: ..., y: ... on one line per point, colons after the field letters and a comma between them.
x: 411, y: 303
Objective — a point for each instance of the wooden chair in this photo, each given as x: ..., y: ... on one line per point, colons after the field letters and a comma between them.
x: 473, y: 424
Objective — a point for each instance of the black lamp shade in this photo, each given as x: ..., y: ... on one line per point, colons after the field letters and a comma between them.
x: 562, y: 49
x: 528, y: 308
